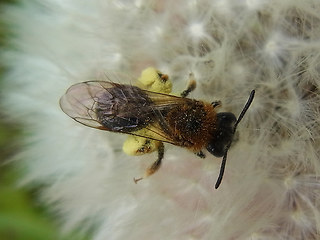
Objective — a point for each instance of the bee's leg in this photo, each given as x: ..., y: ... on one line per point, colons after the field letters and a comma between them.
x: 216, y: 104
x: 155, y: 166
x: 200, y: 154
x: 191, y: 86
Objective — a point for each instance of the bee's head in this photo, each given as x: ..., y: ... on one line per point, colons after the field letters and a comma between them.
x: 223, y: 135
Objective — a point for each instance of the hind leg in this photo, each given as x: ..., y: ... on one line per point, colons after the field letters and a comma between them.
x: 155, y: 166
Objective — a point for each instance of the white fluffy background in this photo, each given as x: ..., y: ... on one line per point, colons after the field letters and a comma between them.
x: 271, y: 188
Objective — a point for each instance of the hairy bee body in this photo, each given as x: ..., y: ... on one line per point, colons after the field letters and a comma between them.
x: 152, y: 115
x: 193, y: 124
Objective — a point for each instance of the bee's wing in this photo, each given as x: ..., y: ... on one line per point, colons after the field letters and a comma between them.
x: 82, y: 100
x: 79, y: 102
x: 160, y: 129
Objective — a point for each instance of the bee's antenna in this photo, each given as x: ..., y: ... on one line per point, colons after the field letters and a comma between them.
x: 224, y: 159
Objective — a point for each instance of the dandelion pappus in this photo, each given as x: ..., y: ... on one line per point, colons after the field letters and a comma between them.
x: 154, y: 116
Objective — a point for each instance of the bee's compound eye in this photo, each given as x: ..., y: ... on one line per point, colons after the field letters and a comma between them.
x: 226, y: 120
x: 223, y: 134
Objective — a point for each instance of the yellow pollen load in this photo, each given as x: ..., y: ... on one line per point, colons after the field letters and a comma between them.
x: 153, y: 80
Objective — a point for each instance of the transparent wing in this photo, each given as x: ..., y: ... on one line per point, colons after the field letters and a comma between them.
x: 80, y: 100
x: 121, y: 108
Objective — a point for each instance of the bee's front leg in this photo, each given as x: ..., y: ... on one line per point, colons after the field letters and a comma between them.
x: 216, y: 104
x: 155, y: 166
x: 200, y: 154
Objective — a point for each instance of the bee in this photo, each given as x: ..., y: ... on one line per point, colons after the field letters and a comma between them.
x: 154, y: 116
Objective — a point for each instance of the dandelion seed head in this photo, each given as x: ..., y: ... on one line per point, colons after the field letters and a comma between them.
x: 271, y: 183
x: 289, y: 182
x: 255, y: 4
x: 196, y: 30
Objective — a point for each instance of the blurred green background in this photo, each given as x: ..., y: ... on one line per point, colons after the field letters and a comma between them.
x: 22, y: 217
